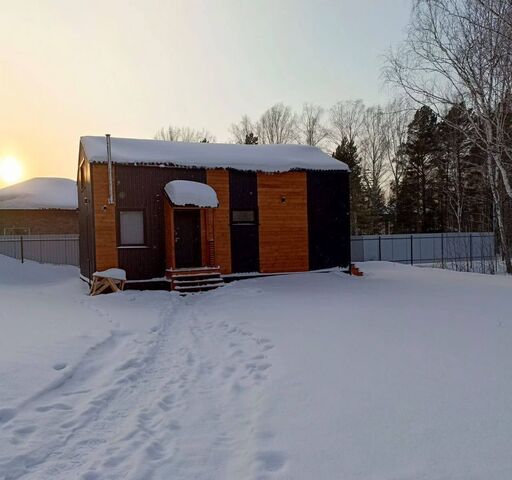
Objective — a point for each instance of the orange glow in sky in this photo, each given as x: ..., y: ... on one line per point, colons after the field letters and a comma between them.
x: 11, y: 170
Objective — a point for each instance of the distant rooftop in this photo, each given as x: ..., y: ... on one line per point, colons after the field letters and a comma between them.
x: 39, y: 194
x: 263, y: 158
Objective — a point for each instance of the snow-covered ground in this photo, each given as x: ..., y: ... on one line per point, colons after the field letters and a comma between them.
x: 405, y: 373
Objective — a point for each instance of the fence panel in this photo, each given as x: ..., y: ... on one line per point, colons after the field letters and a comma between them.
x: 424, y: 247
x: 56, y: 249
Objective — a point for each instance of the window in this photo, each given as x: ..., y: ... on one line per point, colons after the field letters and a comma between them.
x: 243, y: 216
x: 16, y: 231
x: 131, y: 227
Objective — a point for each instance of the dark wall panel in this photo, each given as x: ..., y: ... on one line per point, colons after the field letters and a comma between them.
x: 243, y: 195
x: 139, y: 187
x: 328, y: 219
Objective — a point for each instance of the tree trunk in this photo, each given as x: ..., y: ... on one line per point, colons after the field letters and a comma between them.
x: 505, y: 251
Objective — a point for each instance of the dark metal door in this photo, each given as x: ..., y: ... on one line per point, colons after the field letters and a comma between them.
x: 187, y: 238
x: 243, y: 195
x: 244, y: 248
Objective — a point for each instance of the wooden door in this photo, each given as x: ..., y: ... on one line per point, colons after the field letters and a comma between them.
x: 187, y: 238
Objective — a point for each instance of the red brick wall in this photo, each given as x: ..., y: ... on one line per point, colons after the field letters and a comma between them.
x: 40, y: 221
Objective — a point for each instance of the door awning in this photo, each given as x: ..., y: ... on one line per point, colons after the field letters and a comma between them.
x: 185, y: 193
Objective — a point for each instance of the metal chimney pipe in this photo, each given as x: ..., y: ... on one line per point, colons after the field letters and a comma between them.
x: 109, y: 166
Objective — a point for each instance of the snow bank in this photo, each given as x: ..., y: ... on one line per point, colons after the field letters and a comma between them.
x: 264, y: 158
x: 404, y: 373
x: 40, y: 193
x: 185, y: 192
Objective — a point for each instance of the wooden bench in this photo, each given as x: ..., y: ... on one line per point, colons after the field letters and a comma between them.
x: 113, y: 278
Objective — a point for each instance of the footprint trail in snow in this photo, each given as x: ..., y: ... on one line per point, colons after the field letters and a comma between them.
x: 176, y: 402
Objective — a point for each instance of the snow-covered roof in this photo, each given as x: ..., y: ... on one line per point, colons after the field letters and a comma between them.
x: 184, y: 193
x: 39, y: 194
x: 263, y: 158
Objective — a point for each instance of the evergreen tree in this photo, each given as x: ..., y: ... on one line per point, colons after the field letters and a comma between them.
x: 251, y: 139
x: 346, y: 152
x: 416, y: 201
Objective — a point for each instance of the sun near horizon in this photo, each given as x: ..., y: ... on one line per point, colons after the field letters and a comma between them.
x: 11, y: 171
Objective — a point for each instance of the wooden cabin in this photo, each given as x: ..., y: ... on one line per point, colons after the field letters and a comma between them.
x: 162, y: 210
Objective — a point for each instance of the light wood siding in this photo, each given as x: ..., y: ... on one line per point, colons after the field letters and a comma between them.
x: 105, y: 231
x: 283, y: 219
x: 170, y: 261
x: 219, y: 181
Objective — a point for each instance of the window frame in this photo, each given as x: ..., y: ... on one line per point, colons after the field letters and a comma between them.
x: 254, y: 210
x: 144, y: 228
x: 25, y: 229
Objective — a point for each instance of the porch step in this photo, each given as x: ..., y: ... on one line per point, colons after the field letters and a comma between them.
x: 194, y: 280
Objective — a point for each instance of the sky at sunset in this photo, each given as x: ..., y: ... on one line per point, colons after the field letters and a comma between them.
x: 72, y: 68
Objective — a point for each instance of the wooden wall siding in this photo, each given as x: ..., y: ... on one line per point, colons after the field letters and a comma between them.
x: 219, y: 181
x: 105, y: 230
x: 170, y: 261
x: 328, y: 219
x: 85, y: 219
x: 142, y: 187
x: 283, y: 218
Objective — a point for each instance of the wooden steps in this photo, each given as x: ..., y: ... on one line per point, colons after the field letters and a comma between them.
x: 193, y: 280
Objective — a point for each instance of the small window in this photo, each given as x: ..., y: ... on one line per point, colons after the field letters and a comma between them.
x: 244, y: 216
x: 16, y: 231
x: 131, y: 227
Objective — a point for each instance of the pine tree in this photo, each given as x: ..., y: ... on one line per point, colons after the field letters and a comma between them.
x: 347, y: 153
x: 416, y: 202
x: 251, y: 139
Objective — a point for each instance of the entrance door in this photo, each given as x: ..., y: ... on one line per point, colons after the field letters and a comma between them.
x: 187, y: 238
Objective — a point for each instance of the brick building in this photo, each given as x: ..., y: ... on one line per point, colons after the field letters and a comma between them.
x: 39, y: 206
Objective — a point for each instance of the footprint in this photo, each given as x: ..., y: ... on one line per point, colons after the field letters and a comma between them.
x: 228, y: 371
x: 60, y: 366
x: 114, y: 461
x: 90, y: 476
x: 55, y: 406
x: 155, y: 451
x: 132, y: 363
x: 6, y: 414
x: 174, y: 425
x: 25, y: 430
x: 271, y: 461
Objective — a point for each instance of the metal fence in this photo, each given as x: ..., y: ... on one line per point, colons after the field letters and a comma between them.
x: 56, y: 249
x: 458, y: 249
x: 434, y: 248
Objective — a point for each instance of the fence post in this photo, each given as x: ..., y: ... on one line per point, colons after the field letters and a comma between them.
x: 21, y: 248
x: 442, y: 250
x: 380, y: 249
x: 412, y: 251
x: 471, y: 251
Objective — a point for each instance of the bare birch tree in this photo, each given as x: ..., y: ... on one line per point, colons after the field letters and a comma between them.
x: 346, y: 118
x: 184, y: 134
x: 311, y: 128
x: 277, y: 125
x: 373, y: 147
x: 242, y: 130
x: 460, y: 51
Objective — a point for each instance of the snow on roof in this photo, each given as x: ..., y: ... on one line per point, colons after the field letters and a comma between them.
x: 264, y: 158
x: 39, y: 194
x: 185, y: 192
